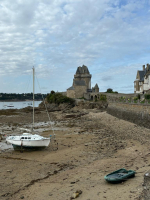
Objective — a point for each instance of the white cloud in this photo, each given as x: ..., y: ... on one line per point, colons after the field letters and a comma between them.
x: 59, y: 35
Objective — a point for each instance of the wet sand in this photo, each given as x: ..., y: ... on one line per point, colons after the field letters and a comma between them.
x: 87, y: 146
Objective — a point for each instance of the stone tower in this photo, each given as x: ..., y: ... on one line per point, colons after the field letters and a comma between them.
x: 96, y: 88
x: 83, y: 74
x: 81, y: 83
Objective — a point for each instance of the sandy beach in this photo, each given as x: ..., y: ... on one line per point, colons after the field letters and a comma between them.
x: 88, y: 145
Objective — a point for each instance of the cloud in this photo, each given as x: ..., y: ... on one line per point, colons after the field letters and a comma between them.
x: 110, y: 37
x: 107, y: 78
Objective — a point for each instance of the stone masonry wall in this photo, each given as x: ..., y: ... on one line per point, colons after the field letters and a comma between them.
x: 71, y: 93
x: 136, y: 113
x: 115, y: 97
x: 79, y: 91
x: 110, y: 96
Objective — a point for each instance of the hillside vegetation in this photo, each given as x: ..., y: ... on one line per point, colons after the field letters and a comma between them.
x: 58, y: 98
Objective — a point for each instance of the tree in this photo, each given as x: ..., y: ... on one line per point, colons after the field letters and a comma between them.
x: 52, y: 92
x: 109, y: 90
x: 59, y: 98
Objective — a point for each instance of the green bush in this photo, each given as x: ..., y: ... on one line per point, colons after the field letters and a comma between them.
x: 135, y: 98
x: 103, y: 97
x: 147, y: 96
x: 58, y: 98
x: 109, y: 90
x: 122, y: 98
x: 143, y: 101
x: 52, y: 92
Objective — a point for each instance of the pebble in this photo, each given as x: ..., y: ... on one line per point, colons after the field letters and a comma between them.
x: 50, y: 194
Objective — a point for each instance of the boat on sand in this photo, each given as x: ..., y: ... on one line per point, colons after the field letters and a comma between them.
x: 29, y: 140
x: 119, y: 175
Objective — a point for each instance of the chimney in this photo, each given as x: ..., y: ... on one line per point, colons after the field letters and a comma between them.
x: 147, y: 66
x: 143, y: 67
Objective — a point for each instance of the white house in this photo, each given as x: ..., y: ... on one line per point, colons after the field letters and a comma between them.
x: 142, y: 82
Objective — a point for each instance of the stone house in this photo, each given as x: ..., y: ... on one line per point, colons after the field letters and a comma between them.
x: 81, y: 86
x: 142, y: 82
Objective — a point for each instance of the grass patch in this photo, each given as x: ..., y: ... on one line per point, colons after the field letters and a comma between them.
x: 46, y: 131
x: 142, y: 101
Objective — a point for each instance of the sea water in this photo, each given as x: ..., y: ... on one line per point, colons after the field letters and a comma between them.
x: 18, y: 105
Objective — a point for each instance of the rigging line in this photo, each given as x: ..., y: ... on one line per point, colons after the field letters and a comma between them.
x: 45, y: 106
x: 28, y: 84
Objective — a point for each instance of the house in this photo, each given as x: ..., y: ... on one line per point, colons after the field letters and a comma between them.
x: 142, y: 82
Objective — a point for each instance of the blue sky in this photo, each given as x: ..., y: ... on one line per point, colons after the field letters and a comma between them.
x: 110, y: 37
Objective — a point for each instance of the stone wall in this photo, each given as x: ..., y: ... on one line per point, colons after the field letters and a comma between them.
x: 87, y: 96
x: 64, y: 93
x: 110, y: 96
x: 115, y: 97
x: 71, y: 93
x: 87, y: 81
x: 79, y: 91
x: 136, y: 113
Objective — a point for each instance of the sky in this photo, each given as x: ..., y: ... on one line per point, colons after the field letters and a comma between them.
x: 110, y: 37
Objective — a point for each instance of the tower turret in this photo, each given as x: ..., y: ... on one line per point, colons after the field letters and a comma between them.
x: 83, y: 73
x: 96, y: 88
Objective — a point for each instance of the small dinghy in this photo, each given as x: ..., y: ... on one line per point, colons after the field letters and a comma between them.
x: 119, y: 175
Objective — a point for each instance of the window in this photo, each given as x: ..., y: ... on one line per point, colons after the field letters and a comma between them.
x: 25, y: 137
x: 22, y: 138
x: 29, y: 138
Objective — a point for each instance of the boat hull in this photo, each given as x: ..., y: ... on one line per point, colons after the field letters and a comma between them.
x: 29, y: 144
x: 31, y: 148
x: 119, y: 176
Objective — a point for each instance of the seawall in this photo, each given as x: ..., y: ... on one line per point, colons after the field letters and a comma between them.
x: 136, y: 113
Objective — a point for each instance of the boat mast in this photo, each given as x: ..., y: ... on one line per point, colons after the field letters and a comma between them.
x: 33, y: 96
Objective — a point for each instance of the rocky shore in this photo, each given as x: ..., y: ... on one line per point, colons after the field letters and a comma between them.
x: 89, y: 143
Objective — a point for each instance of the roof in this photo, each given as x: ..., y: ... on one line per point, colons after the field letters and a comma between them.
x: 141, y: 74
x: 71, y: 88
x: 79, y: 82
x: 82, y: 70
x: 96, y: 86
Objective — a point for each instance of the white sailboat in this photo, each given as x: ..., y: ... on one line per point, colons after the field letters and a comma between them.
x: 28, y: 140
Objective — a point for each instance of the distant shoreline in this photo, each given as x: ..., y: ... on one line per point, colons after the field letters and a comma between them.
x: 18, y: 100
